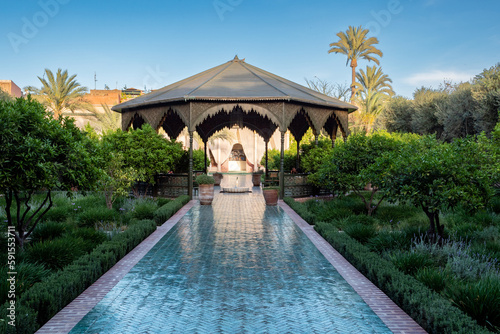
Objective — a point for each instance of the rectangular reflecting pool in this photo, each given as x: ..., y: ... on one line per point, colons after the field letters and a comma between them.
x: 234, y: 267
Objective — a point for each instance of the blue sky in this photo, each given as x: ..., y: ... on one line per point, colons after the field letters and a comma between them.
x: 155, y: 43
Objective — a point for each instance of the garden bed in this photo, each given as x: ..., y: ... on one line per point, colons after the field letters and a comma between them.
x: 445, y: 288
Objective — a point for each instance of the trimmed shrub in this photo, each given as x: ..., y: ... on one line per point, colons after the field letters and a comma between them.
x: 48, y: 231
x: 481, y: 300
x: 160, y: 201
x: 301, y: 209
x: 360, y: 232
x: 433, y: 312
x: 144, y: 209
x: 166, y: 211
x: 25, y: 320
x: 93, y: 216
x: 59, y: 289
x: 55, y: 254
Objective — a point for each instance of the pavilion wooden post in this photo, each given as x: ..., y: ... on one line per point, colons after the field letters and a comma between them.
x: 316, y: 139
x: 282, y: 166
x: 205, y: 149
x: 190, y: 172
x: 267, y: 173
x: 297, y: 163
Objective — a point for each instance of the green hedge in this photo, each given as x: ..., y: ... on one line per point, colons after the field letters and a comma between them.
x: 433, y: 312
x: 163, y: 213
x: 42, y: 301
x: 301, y: 210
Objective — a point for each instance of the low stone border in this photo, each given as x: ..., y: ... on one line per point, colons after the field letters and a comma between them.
x: 69, y: 316
x: 393, y: 316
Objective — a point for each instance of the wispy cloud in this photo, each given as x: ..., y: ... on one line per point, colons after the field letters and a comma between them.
x: 436, y: 77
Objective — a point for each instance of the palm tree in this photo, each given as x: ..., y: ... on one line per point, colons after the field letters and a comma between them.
x: 373, y: 80
x: 355, y: 45
x: 61, y: 93
x: 108, y: 120
x: 373, y: 91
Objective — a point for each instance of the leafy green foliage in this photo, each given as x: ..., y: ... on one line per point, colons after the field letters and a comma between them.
x: 432, y: 311
x: 204, y: 179
x: 27, y: 275
x: 163, y: 213
x: 410, y: 262
x: 58, y: 290
x: 145, y: 151
x: 48, y: 231
x: 342, y: 171
x: 480, y: 300
x: 144, y: 209
x: 433, y: 278
x: 57, y: 253
x: 360, y: 232
x: 434, y: 176
x: 450, y: 111
x: 93, y: 216
x: 38, y: 152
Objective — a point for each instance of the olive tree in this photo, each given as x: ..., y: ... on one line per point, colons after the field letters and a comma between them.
x: 40, y: 154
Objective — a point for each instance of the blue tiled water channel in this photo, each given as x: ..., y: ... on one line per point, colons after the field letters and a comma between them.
x: 234, y: 267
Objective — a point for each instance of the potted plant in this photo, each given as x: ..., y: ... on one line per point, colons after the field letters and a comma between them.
x: 256, y: 177
x: 206, y: 184
x: 271, y: 195
x: 217, y: 177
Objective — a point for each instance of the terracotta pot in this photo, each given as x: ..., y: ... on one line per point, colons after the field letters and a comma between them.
x: 271, y: 196
x: 217, y: 177
x: 206, y: 194
x: 256, y: 179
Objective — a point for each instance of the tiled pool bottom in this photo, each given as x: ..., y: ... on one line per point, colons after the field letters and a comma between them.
x: 234, y: 267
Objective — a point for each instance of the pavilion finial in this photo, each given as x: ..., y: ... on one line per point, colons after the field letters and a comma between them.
x: 236, y: 58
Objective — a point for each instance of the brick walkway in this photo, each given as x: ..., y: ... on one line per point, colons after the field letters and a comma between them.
x: 234, y: 267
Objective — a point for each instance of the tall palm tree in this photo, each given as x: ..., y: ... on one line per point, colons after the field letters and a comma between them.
x: 61, y: 92
x: 355, y: 45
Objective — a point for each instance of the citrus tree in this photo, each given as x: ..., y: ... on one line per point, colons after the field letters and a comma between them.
x: 39, y: 154
x: 145, y: 151
x: 435, y: 176
x: 342, y: 171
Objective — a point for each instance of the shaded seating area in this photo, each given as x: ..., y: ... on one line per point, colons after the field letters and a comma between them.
x: 238, y: 94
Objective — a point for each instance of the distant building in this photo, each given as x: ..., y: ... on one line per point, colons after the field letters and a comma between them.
x: 11, y: 88
x: 96, y: 97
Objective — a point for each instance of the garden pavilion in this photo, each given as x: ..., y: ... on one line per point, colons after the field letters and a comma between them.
x: 237, y: 94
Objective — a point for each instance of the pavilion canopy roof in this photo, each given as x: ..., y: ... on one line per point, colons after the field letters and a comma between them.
x: 237, y: 81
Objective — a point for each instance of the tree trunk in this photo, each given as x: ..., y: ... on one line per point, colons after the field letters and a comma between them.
x: 436, y: 230
x: 354, y: 64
